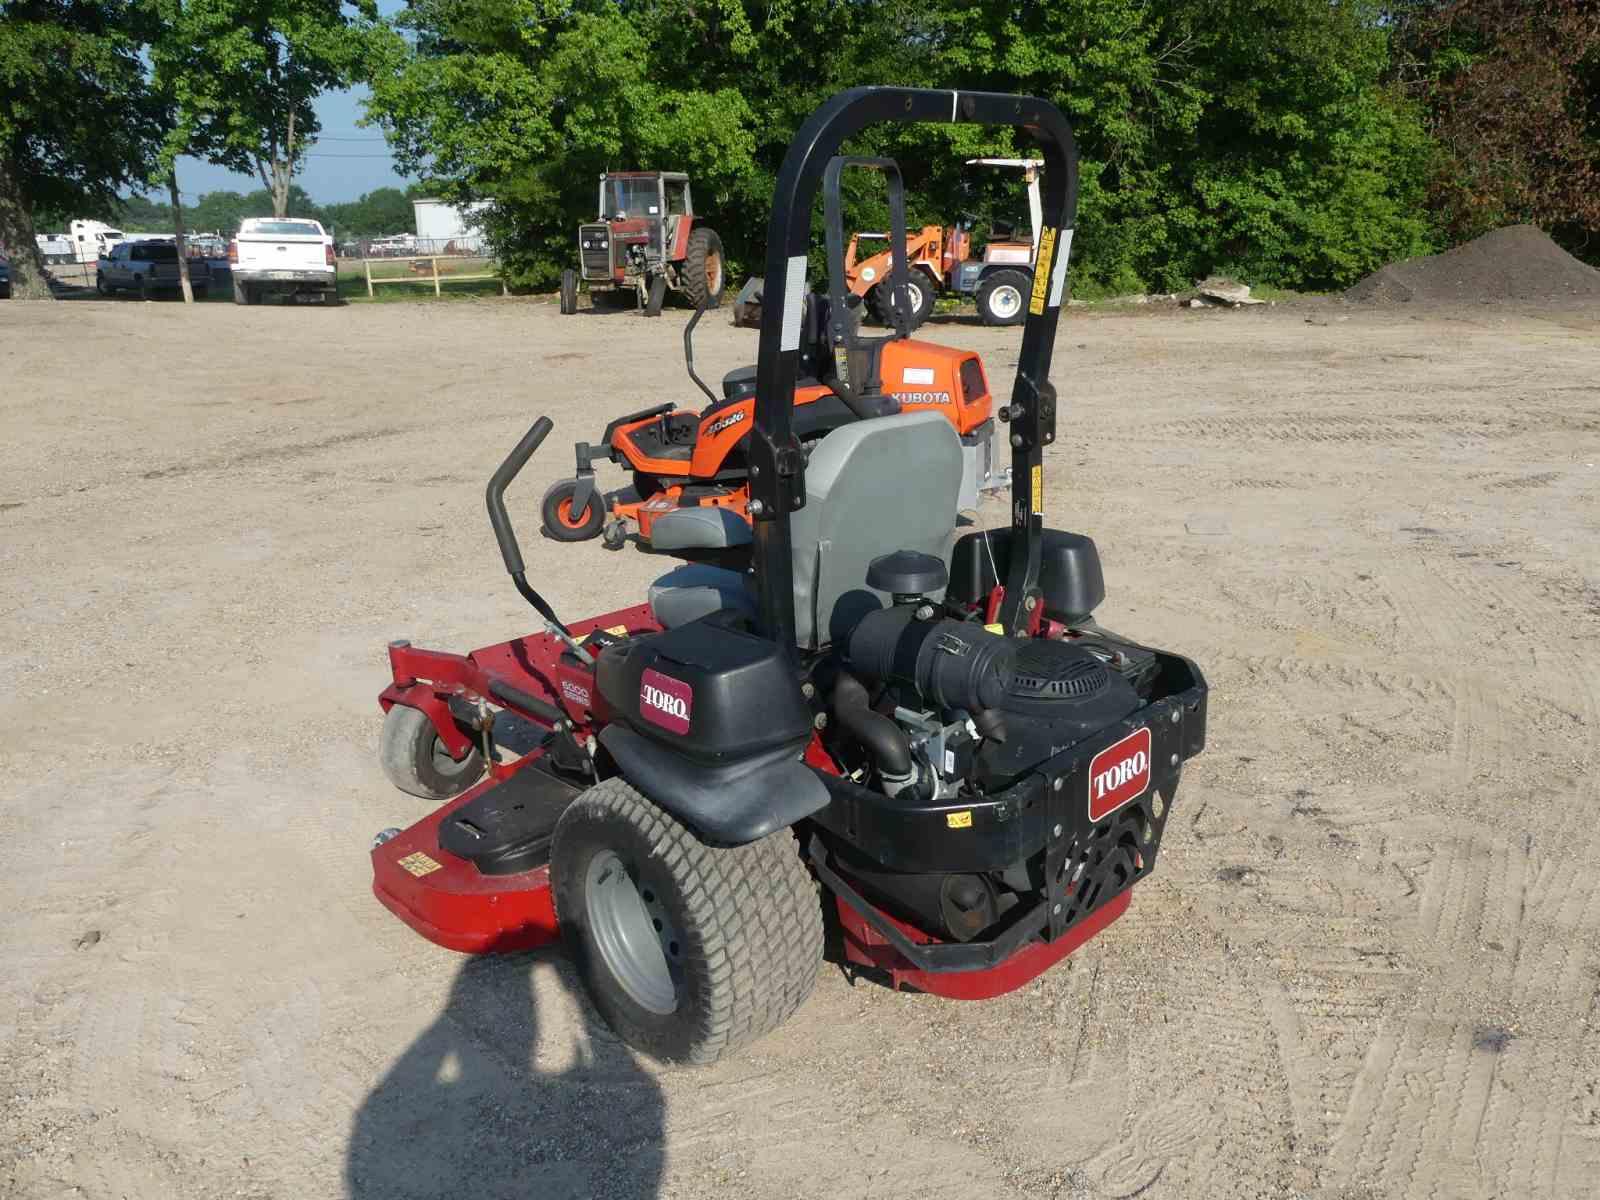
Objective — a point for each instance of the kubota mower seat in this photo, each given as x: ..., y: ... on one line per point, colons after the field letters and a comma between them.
x: 740, y: 383
x: 872, y: 487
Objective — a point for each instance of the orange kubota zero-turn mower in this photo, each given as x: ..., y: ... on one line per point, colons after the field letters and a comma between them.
x: 882, y: 724
x: 690, y: 487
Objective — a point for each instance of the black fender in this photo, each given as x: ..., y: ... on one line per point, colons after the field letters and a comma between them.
x: 729, y: 802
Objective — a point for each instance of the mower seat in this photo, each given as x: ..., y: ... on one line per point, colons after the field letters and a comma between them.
x: 872, y: 487
x: 700, y: 528
x: 697, y: 590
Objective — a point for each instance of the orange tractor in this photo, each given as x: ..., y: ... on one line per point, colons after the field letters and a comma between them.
x: 941, y: 261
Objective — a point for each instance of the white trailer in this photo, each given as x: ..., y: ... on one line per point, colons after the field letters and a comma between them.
x: 91, y: 239
x: 54, y: 248
x: 447, y: 229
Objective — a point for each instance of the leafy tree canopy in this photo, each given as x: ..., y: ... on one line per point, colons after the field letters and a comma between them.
x: 1256, y: 136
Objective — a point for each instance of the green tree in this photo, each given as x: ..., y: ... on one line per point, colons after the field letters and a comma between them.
x: 381, y: 211
x: 1249, y: 135
x: 245, y: 74
x: 77, y: 121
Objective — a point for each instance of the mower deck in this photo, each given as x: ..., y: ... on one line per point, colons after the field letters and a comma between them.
x: 448, y: 901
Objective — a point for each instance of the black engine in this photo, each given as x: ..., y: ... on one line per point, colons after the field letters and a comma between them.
x: 1026, y: 699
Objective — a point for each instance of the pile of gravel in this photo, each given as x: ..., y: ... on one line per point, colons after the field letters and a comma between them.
x: 1517, y: 263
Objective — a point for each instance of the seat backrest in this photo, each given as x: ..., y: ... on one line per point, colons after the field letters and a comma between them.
x: 872, y: 487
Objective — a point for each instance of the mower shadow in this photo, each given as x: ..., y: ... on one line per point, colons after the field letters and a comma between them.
x: 480, y: 1105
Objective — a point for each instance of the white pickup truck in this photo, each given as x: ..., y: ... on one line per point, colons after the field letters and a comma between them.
x: 289, y: 255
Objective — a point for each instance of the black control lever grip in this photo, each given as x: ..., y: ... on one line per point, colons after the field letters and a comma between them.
x: 495, y: 494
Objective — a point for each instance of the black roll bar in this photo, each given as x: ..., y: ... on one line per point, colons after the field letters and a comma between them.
x: 777, y: 468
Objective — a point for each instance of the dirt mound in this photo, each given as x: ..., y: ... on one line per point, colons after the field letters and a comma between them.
x: 1517, y: 263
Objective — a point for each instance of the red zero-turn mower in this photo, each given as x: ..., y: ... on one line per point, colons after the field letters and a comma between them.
x: 930, y: 727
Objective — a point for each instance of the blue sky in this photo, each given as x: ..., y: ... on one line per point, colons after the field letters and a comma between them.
x: 345, y: 162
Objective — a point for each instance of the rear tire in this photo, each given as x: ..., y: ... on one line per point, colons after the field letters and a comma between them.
x: 1003, y: 297
x: 101, y: 286
x: 559, y: 520
x: 416, y: 761
x: 705, y: 272
x: 688, y: 951
x: 922, y: 289
x: 569, y: 292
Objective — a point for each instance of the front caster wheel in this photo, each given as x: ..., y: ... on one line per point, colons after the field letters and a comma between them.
x: 561, y: 523
x: 615, y: 535
x: 688, y: 951
x: 416, y: 761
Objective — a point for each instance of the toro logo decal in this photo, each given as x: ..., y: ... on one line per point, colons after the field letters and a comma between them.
x: 1118, y: 774
x: 665, y: 701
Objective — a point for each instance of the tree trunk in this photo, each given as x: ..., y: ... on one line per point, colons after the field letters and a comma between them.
x: 283, y: 172
x: 177, y: 236
x: 28, y: 278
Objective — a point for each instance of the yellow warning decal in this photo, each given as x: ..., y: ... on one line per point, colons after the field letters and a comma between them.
x: 995, y: 628
x: 960, y: 820
x: 618, y: 630
x: 1038, y: 488
x: 1041, y: 270
x: 419, y: 864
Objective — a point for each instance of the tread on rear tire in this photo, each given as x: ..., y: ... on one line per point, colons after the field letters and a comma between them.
x: 746, y: 923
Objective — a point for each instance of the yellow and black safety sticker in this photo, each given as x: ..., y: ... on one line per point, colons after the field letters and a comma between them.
x: 959, y: 820
x: 1041, y: 270
x: 1038, y: 489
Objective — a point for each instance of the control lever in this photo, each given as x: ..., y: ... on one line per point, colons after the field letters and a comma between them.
x: 506, y: 536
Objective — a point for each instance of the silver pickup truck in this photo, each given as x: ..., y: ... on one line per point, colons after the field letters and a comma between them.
x: 145, y: 267
x: 289, y: 255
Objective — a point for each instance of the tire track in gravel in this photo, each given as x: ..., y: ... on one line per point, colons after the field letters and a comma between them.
x: 1507, y: 923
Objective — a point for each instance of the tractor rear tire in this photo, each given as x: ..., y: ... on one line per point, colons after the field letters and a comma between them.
x: 1003, y: 297
x: 689, y: 951
x: 569, y: 292
x: 416, y: 761
x: 705, y: 271
x: 561, y: 523
x: 922, y: 288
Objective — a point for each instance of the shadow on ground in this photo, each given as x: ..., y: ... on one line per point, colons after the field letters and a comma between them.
x: 486, y: 1103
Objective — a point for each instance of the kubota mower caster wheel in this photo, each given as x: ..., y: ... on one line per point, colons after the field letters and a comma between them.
x: 688, y: 950
x: 416, y: 761
x: 561, y: 523
x: 615, y: 535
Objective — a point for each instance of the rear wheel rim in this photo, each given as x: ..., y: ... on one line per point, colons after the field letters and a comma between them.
x: 631, y: 932
x: 713, y: 272
x: 1005, y: 301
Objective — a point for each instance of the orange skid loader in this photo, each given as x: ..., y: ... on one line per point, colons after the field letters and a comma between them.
x: 690, y: 486
x: 941, y: 261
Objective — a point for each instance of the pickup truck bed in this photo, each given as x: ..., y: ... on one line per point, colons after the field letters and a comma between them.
x: 290, y: 256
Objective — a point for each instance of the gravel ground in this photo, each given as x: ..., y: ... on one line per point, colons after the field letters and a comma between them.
x: 1368, y: 963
